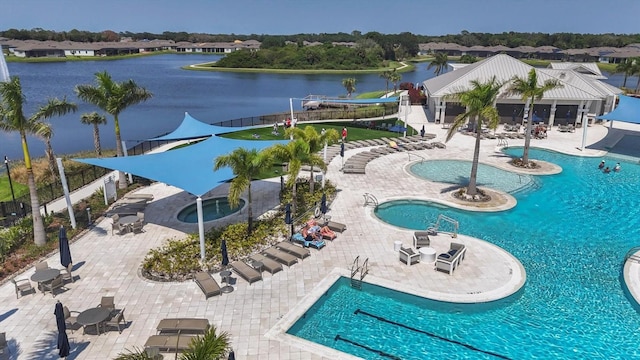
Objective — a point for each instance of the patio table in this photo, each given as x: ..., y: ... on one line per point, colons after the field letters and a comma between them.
x: 93, y: 316
x: 44, y: 276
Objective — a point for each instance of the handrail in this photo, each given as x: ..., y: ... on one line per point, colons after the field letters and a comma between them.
x: 445, y: 218
x: 370, y: 199
x: 355, y: 267
x: 503, y: 142
x: 631, y: 254
x: 364, y: 269
x: 421, y: 157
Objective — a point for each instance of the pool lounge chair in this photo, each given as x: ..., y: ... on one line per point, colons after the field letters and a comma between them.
x: 300, y: 239
x: 270, y: 265
x: 408, y: 256
x: 336, y: 226
x: 246, y: 272
x: 281, y: 256
x: 293, y: 249
x: 169, y: 343
x: 207, y: 284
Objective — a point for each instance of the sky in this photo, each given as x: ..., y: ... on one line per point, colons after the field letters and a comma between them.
x: 284, y: 17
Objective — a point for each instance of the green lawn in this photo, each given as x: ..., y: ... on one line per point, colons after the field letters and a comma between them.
x: 5, y: 190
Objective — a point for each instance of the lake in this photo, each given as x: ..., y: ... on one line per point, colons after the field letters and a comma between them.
x: 208, y: 96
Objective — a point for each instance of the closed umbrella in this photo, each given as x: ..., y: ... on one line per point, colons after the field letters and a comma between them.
x: 225, y: 255
x: 422, y: 131
x: 287, y: 217
x: 65, y: 252
x: 342, y: 154
x: 323, y: 204
x: 63, y: 340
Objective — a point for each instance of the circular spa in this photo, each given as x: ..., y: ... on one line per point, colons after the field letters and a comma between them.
x: 212, y: 209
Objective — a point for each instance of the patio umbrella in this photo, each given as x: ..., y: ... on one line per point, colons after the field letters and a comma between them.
x: 225, y: 255
x: 287, y: 214
x: 232, y: 355
x: 65, y: 252
x: 422, y: 131
x: 342, y: 149
x: 323, y: 204
x: 63, y: 340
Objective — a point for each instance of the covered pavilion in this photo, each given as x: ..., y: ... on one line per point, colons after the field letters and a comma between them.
x: 189, y: 168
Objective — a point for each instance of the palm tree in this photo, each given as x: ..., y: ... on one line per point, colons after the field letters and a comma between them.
x: 480, y: 104
x: 94, y: 119
x: 246, y: 165
x: 209, y: 346
x: 349, y: 84
x: 12, y: 119
x: 386, y: 75
x: 439, y: 63
x: 316, y: 143
x: 530, y: 91
x: 113, y: 98
x: 296, y: 153
x: 45, y: 131
x: 626, y: 67
x: 395, y: 79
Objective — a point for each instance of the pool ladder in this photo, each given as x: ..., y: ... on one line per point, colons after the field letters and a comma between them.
x: 370, y: 199
x: 631, y: 255
x: 362, y: 270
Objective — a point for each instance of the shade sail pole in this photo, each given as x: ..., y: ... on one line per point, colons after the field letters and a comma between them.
x: 200, y: 227
x: 65, y: 189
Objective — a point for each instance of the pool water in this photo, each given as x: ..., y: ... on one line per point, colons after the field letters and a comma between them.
x: 571, y: 233
x: 212, y: 209
x: 458, y: 171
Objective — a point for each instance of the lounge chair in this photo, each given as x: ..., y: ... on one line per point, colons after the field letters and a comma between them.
x: 22, y: 286
x: 293, y: 249
x: 449, y: 261
x: 336, y: 226
x: 281, y: 256
x: 408, y: 256
x: 196, y: 326
x: 246, y: 272
x: 207, y: 284
x: 270, y: 265
x: 421, y: 238
x: 327, y: 233
x: 300, y: 239
x: 169, y: 343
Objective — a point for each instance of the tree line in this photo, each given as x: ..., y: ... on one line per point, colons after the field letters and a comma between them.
x: 388, y: 42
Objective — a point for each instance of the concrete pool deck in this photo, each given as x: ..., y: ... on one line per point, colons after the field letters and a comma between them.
x: 108, y: 265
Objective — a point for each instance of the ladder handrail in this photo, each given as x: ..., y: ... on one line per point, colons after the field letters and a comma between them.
x: 420, y: 156
x: 448, y: 219
x: 369, y: 198
x: 364, y: 269
x: 630, y: 254
x: 355, y: 266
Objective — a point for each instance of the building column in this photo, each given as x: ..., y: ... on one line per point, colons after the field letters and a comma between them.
x: 552, y: 113
x: 441, y: 109
x: 585, y: 122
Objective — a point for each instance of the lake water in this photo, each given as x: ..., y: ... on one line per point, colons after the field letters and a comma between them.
x: 208, y: 96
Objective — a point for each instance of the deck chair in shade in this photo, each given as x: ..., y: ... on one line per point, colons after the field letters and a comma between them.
x: 293, y: 249
x: 281, y: 256
x: 270, y: 265
x: 246, y: 272
x: 207, y: 284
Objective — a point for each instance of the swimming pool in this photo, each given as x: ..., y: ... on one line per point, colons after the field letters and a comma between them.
x: 571, y: 234
x: 212, y: 209
x: 457, y: 172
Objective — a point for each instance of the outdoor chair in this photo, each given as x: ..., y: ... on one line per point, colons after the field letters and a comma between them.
x: 140, y: 215
x: 449, y: 261
x: 336, y: 226
x: 22, y: 286
x: 270, y: 265
x: 57, y: 283
x: 42, y: 265
x: 66, y: 273
x: 107, y: 302
x: 207, y: 284
x: 281, y: 256
x: 137, y: 227
x: 115, y: 218
x: 408, y: 256
x: 116, y: 226
x: 116, y: 320
x: 420, y: 239
x: 71, y: 318
x: 293, y: 249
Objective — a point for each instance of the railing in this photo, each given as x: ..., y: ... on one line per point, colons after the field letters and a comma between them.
x: 503, y: 142
x: 422, y: 158
x: 370, y: 199
x: 443, y: 218
x: 631, y: 255
x: 357, y: 268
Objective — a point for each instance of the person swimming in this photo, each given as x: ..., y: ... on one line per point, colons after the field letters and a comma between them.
x: 617, y: 167
x: 601, y: 166
x: 606, y: 170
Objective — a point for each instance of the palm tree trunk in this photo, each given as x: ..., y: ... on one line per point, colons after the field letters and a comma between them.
x: 39, y: 237
x: 294, y: 195
x: 311, y: 181
x: 473, y: 177
x: 624, y: 83
x: 53, y: 168
x: 122, y: 180
x: 96, y: 139
x: 249, y: 210
x: 527, y: 135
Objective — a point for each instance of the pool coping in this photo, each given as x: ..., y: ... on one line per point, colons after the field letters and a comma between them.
x: 631, y: 275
